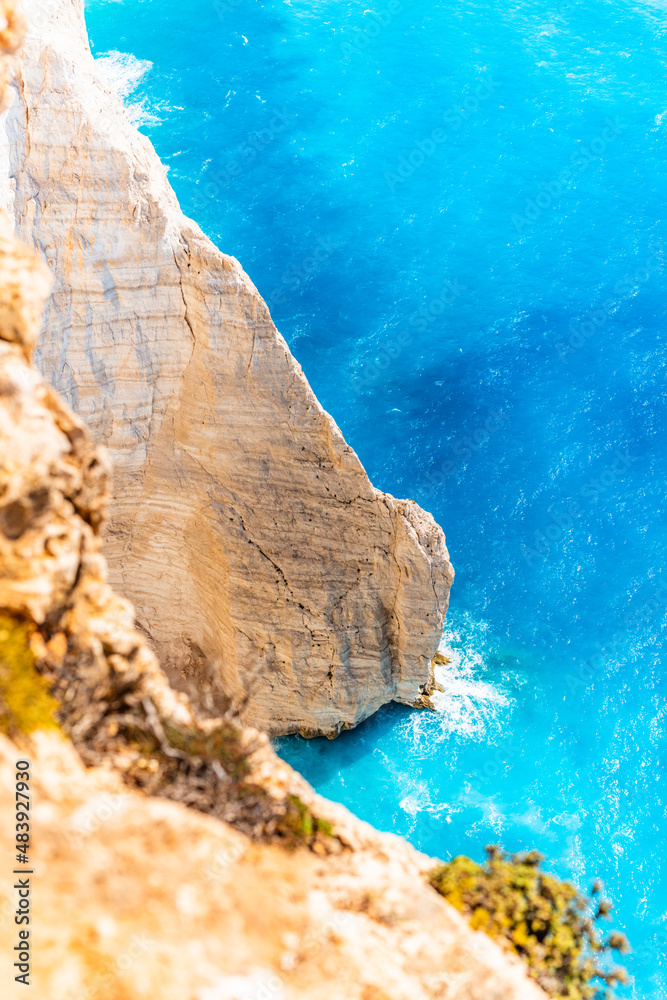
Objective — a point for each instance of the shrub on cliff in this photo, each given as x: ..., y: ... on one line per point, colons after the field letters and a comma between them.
x: 545, y: 921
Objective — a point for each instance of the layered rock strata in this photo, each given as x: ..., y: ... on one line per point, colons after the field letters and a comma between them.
x: 115, y: 703
x: 243, y: 527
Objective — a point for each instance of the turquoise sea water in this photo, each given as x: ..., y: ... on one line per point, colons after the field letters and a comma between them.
x: 457, y: 212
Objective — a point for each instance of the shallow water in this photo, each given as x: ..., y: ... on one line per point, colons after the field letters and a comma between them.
x: 457, y: 214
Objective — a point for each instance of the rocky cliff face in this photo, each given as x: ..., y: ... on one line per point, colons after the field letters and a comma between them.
x: 243, y: 527
x: 261, y: 890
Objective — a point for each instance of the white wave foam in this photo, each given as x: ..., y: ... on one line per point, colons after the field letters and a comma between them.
x: 123, y: 72
x: 468, y: 705
x: 418, y: 799
x: 422, y: 811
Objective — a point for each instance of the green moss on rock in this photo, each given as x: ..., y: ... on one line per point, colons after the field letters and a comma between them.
x: 221, y: 744
x: 25, y: 702
x: 545, y: 921
x: 299, y: 826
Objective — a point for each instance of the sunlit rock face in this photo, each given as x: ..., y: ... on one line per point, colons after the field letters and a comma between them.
x: 243, y: 527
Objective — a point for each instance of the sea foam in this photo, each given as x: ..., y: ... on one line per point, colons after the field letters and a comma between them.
x: 123, y: 72
x: 468, y: 704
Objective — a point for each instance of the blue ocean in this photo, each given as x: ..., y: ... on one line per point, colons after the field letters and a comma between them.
x: 457, y: 213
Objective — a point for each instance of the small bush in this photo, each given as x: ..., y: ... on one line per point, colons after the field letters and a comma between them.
x: 545, y: 921
x: 299, y: 826
x: 25, y: 701
x: 221, y: 744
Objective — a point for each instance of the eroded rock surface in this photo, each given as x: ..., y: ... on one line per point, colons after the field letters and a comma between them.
x: 243, y: 527
x: 115, y: 702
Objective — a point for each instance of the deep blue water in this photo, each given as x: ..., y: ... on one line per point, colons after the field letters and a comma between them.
x: 457, y: 212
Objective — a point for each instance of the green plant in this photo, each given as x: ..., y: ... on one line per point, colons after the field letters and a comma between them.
x: 545, y: 921
x: 25, y: 701
x: 298, y: 825
x: 221, y: 744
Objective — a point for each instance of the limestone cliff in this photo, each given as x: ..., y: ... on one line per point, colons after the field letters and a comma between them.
x: 243, y: 527
x: 261, y: 890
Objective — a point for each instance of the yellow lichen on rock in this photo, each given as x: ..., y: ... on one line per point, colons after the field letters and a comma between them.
x: 544, y: 920
x: 25, y: 700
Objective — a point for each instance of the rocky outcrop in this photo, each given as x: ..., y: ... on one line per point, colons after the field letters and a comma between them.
x: 243, y: 527
x: 136, y: 896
